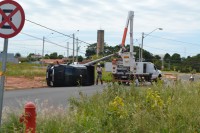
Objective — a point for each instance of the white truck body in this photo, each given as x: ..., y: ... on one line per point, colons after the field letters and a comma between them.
x: 145, y: 70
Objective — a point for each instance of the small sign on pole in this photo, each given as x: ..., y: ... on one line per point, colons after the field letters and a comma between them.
x: 12, y: 20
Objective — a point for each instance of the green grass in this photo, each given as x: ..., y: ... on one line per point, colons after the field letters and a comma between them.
x: 123, y: 109
x: 106, y: 76
x: 25, y: 70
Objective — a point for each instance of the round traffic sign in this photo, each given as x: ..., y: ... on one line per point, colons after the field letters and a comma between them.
x: 12, y: 18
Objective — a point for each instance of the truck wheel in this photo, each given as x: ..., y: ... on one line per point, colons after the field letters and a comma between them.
x: 160, y: 76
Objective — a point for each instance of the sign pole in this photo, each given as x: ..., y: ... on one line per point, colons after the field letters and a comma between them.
x: 4, y: 60
x: 11, y: 23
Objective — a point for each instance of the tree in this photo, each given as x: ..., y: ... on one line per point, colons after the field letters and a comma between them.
x: 157, y: 62
x: 167, y: 62
x: 157, y: 57
x: 91, y: 50
x: 17, y: 55
x: 176, y: 58
x: 30, y: 57
x: 176, y: 62
x: 148, y: 56
x: 167, y: 57
x: 53, y: 55
x: 108, y: 50
x: 80, y: 58
x: 191, y: 64
x: 60, y: 56
x: 46, y: 56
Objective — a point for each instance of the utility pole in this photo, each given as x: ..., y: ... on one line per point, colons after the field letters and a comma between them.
x: 141, y: 58
x: 43, y: 51
x: 67, y: 49
x: 77, y: 50
x: 73, y: 47
x: 162, y: 63
x: 43, y: 48
x: 139, y: 52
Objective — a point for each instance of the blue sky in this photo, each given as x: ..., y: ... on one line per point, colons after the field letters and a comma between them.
x: 179, y: 19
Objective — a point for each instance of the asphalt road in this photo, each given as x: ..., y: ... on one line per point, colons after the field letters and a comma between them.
x: 54, y: 96
x: 186, y: 77
x: 58, y: 95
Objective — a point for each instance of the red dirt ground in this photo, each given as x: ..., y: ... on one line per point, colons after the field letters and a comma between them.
x: 14, y: 83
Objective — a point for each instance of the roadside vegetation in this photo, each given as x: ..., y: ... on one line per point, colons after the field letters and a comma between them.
x: 25, y: 70
x: 122, y: 109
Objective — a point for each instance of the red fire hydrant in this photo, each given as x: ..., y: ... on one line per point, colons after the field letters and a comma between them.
x: 29, y: 118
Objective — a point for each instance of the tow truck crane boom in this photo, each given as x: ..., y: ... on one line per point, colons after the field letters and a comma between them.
x: 129, y: 20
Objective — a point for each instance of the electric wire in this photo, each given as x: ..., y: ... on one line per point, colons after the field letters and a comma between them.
x: 174, y: 40
x: 55, y: 31
x: 49, y: 42
x: 136, y: 40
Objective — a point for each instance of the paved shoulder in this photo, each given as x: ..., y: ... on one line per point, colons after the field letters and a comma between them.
x: 55, y: 96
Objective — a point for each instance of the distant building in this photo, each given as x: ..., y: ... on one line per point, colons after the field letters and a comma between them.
x: 36, y: 56
x: 100, y: 41
x: 10, y: 58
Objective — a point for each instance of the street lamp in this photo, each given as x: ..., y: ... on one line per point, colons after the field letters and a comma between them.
x: 141, y: 50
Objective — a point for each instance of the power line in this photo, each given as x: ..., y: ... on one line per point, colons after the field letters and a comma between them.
x: 55, y: 31
x: 24, y: 40
x: 48, y: 41
x: 32, y: 36
x: 175, y: 40
x: 167, y: 50
x: 136, y: 40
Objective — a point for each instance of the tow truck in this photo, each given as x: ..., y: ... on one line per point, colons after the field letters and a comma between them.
x: 126, y: 69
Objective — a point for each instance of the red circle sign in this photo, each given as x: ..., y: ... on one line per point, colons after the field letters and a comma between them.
x: 12, y: 18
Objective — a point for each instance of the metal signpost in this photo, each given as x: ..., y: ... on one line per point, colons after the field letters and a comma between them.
x: 12, y: 20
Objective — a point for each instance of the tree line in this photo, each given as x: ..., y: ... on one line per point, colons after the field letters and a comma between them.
x: 35, y: 57
x: 172, y: 62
